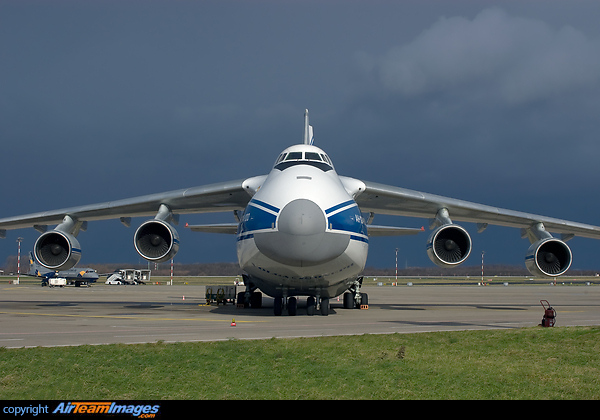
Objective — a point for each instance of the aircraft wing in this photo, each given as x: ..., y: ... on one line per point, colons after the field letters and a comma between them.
x: 225, y: 196
x: 386, y: 199
x: 228, y: 228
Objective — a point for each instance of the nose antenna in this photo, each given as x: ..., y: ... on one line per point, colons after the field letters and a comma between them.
x: 308, y: 130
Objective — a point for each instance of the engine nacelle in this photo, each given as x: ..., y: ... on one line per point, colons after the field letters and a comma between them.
x: 156, y: 240
x: 548, y: 257
x: 57, y: 250
x: 449, y: 245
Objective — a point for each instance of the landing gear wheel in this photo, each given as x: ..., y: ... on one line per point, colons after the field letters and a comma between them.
x: 256, y: 300
x: 311, y: 306
x: 292, y: 306
x: 364, y: 301
x: 349, y: 301
x: 241, y: 300
x: 277, y: 306
x: 324, y: 307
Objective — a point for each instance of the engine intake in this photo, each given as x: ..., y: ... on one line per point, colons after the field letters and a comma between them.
x: 57, y: 250
x: 449, y: 245
x: 548, y: 257
x: 156, y: 240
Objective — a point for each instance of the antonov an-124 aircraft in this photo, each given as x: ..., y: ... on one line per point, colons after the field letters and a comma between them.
x: 302, y: 230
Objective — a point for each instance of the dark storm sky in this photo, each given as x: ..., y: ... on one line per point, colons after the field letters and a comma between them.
x: 489, y: 101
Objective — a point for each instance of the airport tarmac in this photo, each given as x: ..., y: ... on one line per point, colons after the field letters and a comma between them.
x: 34, y: 316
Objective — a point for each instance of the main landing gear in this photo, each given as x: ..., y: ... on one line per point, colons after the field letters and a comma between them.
x: 353, y: 298
x: 314, y: 304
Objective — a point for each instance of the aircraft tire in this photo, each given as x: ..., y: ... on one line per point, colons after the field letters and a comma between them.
x: 292, y: 306
x: 324, y: 307
x: 310, y: 306
x: 256, y: 300
x: 349, y: 301
x: 242, y: 299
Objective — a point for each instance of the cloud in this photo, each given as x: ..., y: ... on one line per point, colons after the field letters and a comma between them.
x: 516, y: 59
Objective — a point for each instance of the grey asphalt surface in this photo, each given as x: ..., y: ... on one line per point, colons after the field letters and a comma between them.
x: 34, y: 316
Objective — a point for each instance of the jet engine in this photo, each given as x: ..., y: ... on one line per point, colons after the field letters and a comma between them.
x: 156, y: 240
x: 57, y: 250
x: 548, y: 257
x: 449, y: 245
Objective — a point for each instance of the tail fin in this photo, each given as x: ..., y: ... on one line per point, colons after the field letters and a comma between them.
x: 36, y: 269
x: 308, y: 130
x: 33, y: 265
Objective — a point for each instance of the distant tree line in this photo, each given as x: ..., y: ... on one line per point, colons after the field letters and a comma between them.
x: 463, y: 271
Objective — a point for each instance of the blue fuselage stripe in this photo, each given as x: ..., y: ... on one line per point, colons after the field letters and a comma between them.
x: 244, y: 237
x: 339, y: 206
x: 359, y: 238
x: 265, y: 205
x: 262, y: 217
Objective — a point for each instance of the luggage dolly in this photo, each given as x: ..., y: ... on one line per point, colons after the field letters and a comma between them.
x: 549, y: 318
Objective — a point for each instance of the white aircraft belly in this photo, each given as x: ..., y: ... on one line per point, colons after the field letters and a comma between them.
x: 330, y: 278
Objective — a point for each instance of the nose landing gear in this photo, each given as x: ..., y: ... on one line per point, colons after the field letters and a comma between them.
x: 291, y: 304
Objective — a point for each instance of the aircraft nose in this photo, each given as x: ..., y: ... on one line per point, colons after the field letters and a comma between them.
x: 301, y: 238
x: 302, y: 217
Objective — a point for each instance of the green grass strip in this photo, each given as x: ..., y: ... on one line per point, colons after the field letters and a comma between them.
x: 528, y: 363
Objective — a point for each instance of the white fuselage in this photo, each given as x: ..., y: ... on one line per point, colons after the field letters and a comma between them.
x: 302, y: 232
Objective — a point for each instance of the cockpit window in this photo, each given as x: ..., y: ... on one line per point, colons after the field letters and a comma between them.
x: 326, y: 159
x: 280, y: 158
x: 294, y: 156
x: 312, y: 156
x: 318, y: 160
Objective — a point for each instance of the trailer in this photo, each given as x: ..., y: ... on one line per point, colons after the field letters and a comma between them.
x: 221, y: 294
x: 57, y: 282
x: 142, y: 276
x: 129, y: 276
